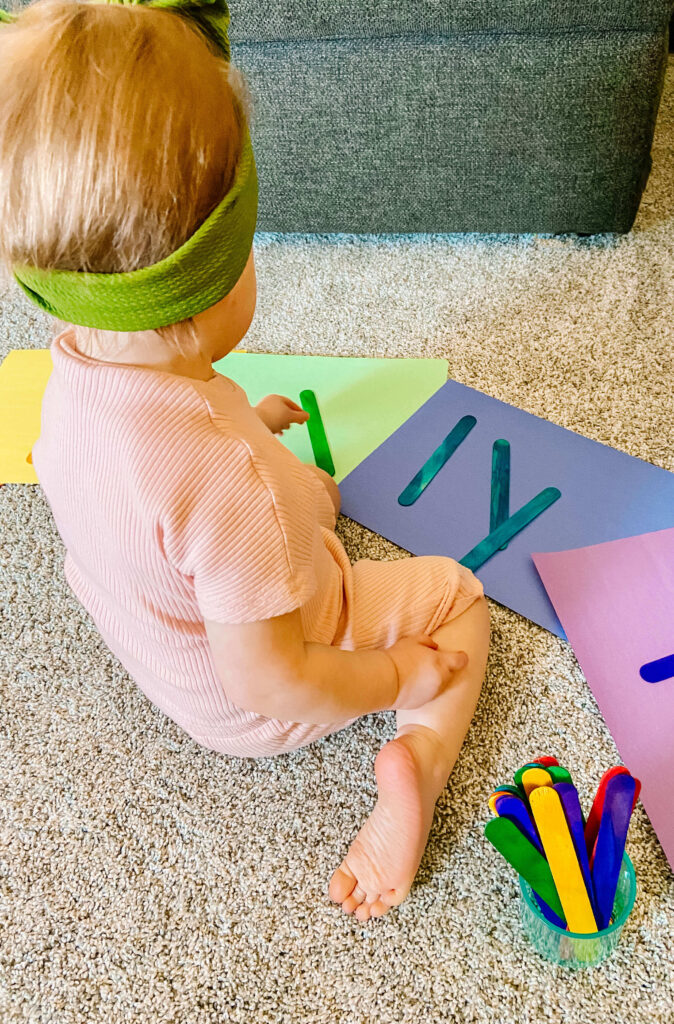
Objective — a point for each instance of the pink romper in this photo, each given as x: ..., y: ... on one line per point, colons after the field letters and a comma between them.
x: 176, y: 504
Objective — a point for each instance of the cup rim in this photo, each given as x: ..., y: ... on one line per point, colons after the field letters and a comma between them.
x: 627, y: 909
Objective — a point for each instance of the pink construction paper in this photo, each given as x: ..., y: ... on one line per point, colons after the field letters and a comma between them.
x: 616, y: 604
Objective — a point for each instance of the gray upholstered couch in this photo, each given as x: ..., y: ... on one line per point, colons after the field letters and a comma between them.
x: 451, y: 115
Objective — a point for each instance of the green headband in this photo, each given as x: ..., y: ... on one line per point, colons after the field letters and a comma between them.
x: 203, y: 270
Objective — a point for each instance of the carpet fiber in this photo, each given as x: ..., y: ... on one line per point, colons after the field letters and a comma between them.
x: 147, y: 880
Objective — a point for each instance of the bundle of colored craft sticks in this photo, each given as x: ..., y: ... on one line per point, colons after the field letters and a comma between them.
x: 572, y: 865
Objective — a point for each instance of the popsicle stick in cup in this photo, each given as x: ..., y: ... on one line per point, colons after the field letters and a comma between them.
x: 610, y: 846
x: 594, y: 817
x: 553, y: 829
x: 534, y: 777
x: 525, y: 858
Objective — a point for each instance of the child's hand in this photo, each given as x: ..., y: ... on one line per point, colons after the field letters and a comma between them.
x: 278, y: 413
x: 424, y: 670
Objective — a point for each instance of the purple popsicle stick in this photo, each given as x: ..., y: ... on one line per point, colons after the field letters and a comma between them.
x: 610, y: 845
x: 573, y: 812
x: 509, y: 806
x: 512, y: 807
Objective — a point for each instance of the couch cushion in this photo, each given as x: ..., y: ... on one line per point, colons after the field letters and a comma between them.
x: 262, y: 20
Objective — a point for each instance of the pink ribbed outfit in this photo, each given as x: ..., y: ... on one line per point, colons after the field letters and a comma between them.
x: 176, y: 504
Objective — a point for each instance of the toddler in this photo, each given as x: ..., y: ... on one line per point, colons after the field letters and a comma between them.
x: 205, y: 551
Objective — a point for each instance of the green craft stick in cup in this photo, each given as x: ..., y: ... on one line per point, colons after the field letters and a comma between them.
x: 572, y: 949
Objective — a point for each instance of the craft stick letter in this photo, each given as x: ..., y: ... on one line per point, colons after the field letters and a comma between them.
x: 500, y: 485
x: 656, y: 671
x: 488, y: 547
x: 434, y: 464
x: 319, y: 442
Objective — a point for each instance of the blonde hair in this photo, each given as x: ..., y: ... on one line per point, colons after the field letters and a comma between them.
x: 120, y: 130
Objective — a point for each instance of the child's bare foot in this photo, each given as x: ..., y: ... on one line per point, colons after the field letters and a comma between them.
x: 379, y: 868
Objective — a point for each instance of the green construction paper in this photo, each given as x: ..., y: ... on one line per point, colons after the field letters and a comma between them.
x: 362, y: 401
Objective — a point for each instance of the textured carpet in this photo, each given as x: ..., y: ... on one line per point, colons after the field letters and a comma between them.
x: 147, y: 880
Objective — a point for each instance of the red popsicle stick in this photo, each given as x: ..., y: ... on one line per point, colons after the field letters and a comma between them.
x: 594, y: 817
x: 546, y: 761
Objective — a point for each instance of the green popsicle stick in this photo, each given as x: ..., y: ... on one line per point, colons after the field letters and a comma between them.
x: 525, y: 858
x: 558, y: 774
x: 319, y: 442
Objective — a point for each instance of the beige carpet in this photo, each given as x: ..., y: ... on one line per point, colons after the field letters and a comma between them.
x: 147, y: 880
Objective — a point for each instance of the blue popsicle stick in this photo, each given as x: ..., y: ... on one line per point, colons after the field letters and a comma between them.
x: 500, y: 485
x: 656, y: 671
x: 610, y: 845
x: 573, y: 812
x: 488, y: 547
x: 516, y: 810
x: 508, y: 806
x: 434, y: 464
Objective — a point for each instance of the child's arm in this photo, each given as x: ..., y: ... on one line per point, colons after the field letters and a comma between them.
x: 278, y: 412
x: 268, y: 668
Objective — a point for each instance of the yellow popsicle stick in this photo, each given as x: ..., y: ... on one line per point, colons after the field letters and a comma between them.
x: 492, y: 802
x: 550, y: 819
x: 23, y: 378
x: 534, y: 777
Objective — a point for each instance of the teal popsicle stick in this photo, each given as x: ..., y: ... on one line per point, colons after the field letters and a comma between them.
x: 434, y: 464
x: 488, y: 547
x: 319, y: 442
x: 500, y: 485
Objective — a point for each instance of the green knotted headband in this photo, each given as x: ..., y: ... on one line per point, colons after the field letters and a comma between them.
x: 202, y: 271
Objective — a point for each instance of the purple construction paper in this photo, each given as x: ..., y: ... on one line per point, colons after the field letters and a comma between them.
x: 606, y: 494
x: 616, y: 602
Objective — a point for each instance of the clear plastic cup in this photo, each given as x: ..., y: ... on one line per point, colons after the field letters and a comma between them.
x: 572, y: 949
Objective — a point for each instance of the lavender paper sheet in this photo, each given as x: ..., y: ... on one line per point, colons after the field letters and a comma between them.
x: 605, y: 494
x: 616, y: 602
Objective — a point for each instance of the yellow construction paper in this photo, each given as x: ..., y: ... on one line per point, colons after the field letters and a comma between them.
x: 362, y: 400
x: 23, y: 378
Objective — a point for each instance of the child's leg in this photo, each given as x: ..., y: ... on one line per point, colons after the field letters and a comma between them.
x: 412, y: 771
x: 447, y: 718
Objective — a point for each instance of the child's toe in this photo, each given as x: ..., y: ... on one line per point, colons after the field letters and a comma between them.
x: 342, y: 883
x: 378, y: 908
x: 363, y: 911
